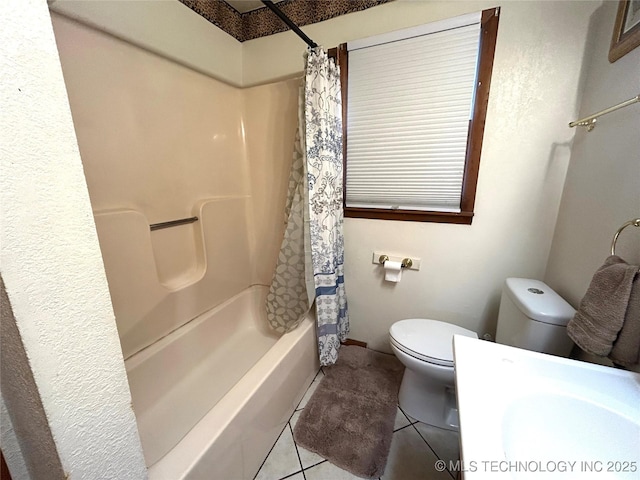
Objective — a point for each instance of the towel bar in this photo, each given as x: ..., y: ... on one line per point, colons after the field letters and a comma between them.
x: 172, y: 223
x: 590, y: 121
x: 635, y: 222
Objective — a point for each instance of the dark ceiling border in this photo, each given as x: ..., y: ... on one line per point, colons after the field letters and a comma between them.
x: 262, y: 22
x: 221, y: 14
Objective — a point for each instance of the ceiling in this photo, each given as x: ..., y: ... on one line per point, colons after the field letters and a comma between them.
x: 243, y: 6
x: 248, y: 19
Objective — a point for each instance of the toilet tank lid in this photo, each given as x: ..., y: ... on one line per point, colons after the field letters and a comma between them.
x: 538, y: 301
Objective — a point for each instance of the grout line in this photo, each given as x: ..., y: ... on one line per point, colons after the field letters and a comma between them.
x: 270, y: 450
x: 292, y: 474
x: 299, y: 458
x: 425, y: 441
x: 315, y: 465
x: 288, y: 424
x: 431, y: 448
x: 402, y: 428
x: 295, y: 445
x: 407, y: 416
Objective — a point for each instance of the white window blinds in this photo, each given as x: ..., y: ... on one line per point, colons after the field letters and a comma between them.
x: 409, y: 105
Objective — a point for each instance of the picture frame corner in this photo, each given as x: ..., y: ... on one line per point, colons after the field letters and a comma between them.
x: 625, y: 38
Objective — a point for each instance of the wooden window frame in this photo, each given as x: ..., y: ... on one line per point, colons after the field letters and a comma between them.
x: 489, y: 27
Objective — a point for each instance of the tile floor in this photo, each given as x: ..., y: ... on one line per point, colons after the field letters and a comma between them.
x: 414, y: 450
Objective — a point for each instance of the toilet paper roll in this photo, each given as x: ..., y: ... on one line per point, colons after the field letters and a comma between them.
x: 392, y: 271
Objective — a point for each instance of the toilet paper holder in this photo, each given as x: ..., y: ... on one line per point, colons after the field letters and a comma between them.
x: 406, y: 262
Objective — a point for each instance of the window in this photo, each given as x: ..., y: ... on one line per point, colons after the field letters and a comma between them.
x: 414, y: 107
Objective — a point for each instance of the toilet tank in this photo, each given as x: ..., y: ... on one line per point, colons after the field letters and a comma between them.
x: 534, y: 317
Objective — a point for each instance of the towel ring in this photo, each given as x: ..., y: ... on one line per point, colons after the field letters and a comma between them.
x: 635, y: 222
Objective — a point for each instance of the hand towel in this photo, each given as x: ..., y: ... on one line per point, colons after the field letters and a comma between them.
x: 602, y: 310
x: 626, y: 348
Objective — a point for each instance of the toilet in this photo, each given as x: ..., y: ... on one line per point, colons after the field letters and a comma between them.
x: 531, y: 316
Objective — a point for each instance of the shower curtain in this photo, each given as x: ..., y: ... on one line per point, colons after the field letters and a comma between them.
x: 287, y: 301
x: 311, y: 260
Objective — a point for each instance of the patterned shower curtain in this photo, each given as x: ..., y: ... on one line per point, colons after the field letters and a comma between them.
x: 287, y: 301
x: 311, y: 261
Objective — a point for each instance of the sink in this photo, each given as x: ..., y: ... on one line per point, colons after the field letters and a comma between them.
x: 526, y: 415
x: 524, y: 430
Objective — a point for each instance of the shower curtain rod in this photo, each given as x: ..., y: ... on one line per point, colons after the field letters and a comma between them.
x: 269, y: 4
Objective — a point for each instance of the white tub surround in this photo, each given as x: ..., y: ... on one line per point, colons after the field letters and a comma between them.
x: 149, y: 305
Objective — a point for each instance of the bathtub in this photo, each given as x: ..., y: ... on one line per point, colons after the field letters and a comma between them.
x: 212, y: 397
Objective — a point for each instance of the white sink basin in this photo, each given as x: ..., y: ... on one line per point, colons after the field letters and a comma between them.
x: 527, y: 415
x: 525, y: 423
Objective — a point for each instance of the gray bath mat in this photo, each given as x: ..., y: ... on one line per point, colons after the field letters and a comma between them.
x: 349, y: 419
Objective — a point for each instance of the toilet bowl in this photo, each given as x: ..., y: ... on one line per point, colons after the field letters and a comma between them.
x: 531, y: 316
x: 425, y: 348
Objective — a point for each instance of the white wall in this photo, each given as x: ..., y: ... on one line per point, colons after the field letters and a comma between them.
x: 602, y: 190
x: 524, y: 159
x: 51, y: 262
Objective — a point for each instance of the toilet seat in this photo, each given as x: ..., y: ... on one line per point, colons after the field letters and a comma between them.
x: 427, y: 340
x: 419, y: 356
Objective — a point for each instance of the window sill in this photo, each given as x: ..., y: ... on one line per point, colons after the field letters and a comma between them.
x: 462, y: 218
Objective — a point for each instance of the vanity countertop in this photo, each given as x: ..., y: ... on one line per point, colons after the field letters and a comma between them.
x: 528, y: 415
